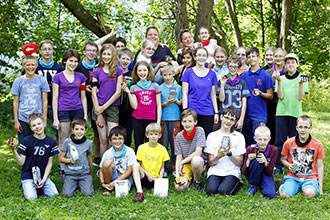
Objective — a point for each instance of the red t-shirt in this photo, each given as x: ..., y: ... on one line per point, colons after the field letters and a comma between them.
x: 305, y: 157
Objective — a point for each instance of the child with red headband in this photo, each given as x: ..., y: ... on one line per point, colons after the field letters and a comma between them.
x: 30, y: 92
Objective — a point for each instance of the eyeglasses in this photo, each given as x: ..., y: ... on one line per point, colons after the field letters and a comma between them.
x: 91, y: 51
x: 252, y: 57
x: 149, y: 48
x: 233, y: 66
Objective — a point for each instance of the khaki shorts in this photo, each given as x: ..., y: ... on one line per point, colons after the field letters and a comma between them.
x: 111, y: 114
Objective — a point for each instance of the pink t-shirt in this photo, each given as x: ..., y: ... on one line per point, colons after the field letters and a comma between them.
x: 69, y: 92
x: 107, y: 87
x: 146, y: 101
x: 305, y: 157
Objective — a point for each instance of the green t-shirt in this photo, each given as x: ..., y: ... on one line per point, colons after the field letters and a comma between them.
x: 290, y: 105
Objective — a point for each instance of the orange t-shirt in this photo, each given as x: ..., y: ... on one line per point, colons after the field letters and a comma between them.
x: 304, y: 157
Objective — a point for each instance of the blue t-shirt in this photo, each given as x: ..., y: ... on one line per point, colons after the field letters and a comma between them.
x: 49, y: 74
x: 172, y: 111
x: 256, y: 105
x: 199, y: 91
x: 37, y: 153
x: 30, y: 95
x: 234, y: 95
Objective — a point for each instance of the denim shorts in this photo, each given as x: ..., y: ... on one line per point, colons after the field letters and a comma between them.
x: 292, y: 185
x: 64, y: 116
x: 30, y: 191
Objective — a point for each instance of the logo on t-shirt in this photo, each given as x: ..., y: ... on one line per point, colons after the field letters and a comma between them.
x: 146, y: 97
x: 259, y: 82
x: 303, y: 160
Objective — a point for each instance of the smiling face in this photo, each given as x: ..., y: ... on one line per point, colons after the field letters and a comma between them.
x: 30, y: 65
x: 291, y: 65
x: 79, y: 131
x: 152, y: 35
x: 168, y: 77
x: 253, y: 59
x: 90, y: 52
x: 125, y: 60
x: 153, y: 137
x: 120, y: 45
x: 187, y: 60
x: 227, y: 121
x: 304, y: 128
x: 187, y: 40
x: 269, y: 57
x: 220, y: 59
x: 148, y: 50
x: 201, y: 56
x: 142, y: 72
x: 106, y: 56
x: 203, y: 34
x: 117, y: 141
x: 46, y: 51
x: 278, y: 58
x: 71, y: 64
x: 188, y: 123
x: 241, y: 53
x: 233, y: 68
x: 262, y: 140
x: 37, y: 126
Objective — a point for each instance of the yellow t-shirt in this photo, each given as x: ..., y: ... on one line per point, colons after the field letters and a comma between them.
x: 152, y: 158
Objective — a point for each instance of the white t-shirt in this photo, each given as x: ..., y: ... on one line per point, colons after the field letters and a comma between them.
x: 225, y: 166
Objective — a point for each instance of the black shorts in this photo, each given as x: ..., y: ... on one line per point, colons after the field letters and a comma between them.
x: 64, y: 116
x: 146, y: 184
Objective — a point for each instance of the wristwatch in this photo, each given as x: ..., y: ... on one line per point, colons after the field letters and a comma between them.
x: 229, y: 154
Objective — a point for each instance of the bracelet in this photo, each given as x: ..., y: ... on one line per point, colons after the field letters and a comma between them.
x: 102, y: 183
x: 229, y: 154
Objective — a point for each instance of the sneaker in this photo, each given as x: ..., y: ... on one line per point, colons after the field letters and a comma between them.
x: 279, y: 182
x: 139, y: 197
x: 197, y: 185
x: 251, y: 190
x: 277, y: 171
x: 165, y: 174
x: 96, y: 161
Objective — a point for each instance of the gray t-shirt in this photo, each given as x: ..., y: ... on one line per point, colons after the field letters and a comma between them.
x: 81, y: 165
x: 186, y: 147
x: 30, y: 95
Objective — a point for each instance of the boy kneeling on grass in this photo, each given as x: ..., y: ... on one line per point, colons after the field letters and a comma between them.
x: 303, y: 156
x: 76, y: 154
x: 151, y: 158
x: 117, y: 162
x: 189, y: 145
x: 259, y: 163
x: 36, y: 150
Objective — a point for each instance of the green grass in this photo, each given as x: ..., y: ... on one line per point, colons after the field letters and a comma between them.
x: 178, y: 205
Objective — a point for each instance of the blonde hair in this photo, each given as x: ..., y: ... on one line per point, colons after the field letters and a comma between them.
x: 136, y: 78
x: 33, y: 56
x: 167, y: 69
x: 113, y: 61
x: 262, y: 130
x: 33, y: 117
x: 153, y: 127
x: 280, y: 50
x: 147, y: 41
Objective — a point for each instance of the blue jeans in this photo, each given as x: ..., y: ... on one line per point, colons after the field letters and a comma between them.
x: 30, y: 191
x: 258, y: 177
x: 224, y: 185
x: 251, y: 122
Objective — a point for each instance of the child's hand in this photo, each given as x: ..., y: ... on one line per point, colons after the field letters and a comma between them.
x: 150, y: 177
x: 210, y: 65
x: 252, y: 156
x: 98, y: 110
x: 169, y: 101
x: 72, y: 161
x: 303, y: 79
x: 291, y: 168
x: 276, y: 75
x: 239, y: 124
x: 18, y: 126
x: 56, y: 124
x: 163, y: 64
x: 41, y: 184
x: 261, y: 158
x: 180, y: 170
x: 125, y: 88
x: 223, y: 80
x: 12, y: 145
x: 100, y: 121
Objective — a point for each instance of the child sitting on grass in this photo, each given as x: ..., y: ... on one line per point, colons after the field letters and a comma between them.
x: 189, y: 145
x: 259, y: 163
x: 151, y: 157
x: 76, y: 154
x: 117, y: 162
x: 36, y: 150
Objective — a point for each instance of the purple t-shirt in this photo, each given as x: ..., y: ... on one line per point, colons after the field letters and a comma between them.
x: 146, y: 101
x: 69, y: 92
x: 199, y: 92
x: 107, y: 87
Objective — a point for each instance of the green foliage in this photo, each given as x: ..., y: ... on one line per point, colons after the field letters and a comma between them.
x: 318, y: 96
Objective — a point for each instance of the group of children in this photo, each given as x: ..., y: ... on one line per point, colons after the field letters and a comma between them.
x: 213, y: 105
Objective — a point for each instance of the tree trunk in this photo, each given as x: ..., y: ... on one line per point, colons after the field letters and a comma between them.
x: 286, y: 24
x: 96, y: 26
x: 276, y: 6
x: 203, y: 16
x: 234, y: 22
x: 223, y: 41
x: 181, y: 19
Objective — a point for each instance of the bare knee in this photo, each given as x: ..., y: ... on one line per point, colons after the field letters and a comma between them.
x: 136, y: 166
x: 197, y: 162
x: 108, y: 164
x: 309, y: 193
x: 282, y: 194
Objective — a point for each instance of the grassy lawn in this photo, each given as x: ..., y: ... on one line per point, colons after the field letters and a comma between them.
x: 185, y: 205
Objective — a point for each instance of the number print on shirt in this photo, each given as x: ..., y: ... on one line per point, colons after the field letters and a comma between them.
x: 39, y: 150
x: 233, y: 98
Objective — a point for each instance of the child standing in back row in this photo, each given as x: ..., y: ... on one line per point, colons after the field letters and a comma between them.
x: 171, y: 100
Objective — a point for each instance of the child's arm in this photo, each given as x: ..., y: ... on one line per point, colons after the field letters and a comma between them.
x: 178, y: 166
x: 63, y: 158
x: 47, y: 172
x: 45, y: 107
x: 268, y: 94
x: 320, y: 171
x: 18, y: 126
x: 276, y: 75
x: 198, y: 152
x: 215, y: 104
x: 99, y: 120
x: 301, y: 89
x: 158, y: 108
x: 161, y: 171
x: 90, y: 163
x: 168, y: 102
x: 84, y: 102
x: 178, y: 102
x: 113, y: 98
x: 185, y: 89
x: 149, y: 176
x: 131, y: 97
x: 56, y: 123
x: 20, y: 158
x: 240, y: 122
x: 159, y: 65
x: 222, y: 95
x: 103, y: 39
